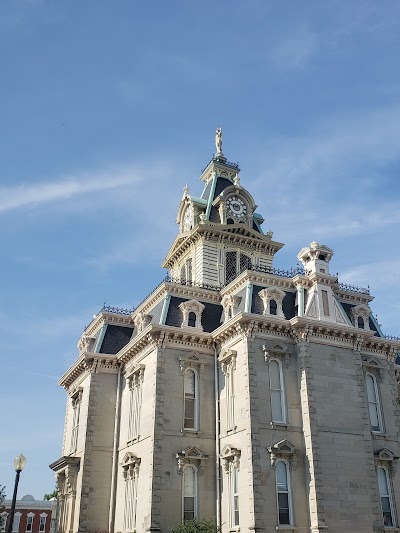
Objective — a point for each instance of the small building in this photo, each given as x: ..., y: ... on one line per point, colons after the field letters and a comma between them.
x: 31, y: 516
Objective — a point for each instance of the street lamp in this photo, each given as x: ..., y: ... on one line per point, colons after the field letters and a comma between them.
x: 19, y: 463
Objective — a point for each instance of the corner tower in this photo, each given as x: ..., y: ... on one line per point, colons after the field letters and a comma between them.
x: 220, y: 232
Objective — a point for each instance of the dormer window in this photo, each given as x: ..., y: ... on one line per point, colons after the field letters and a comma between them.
x: 230, y: 305
x: 191, y: 314
x: 272, y: 298
x: 360, y: 314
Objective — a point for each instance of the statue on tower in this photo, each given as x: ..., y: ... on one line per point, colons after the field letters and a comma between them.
x: 218, y: 140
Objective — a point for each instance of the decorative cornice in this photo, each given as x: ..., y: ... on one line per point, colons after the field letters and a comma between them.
x: 237, y: 234
x: 89, y: 362
x: 107, y: 318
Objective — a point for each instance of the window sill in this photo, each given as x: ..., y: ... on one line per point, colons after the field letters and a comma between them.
x: 231, y: 430
x: 132, y: 441
x: 234, y: 529
x: 280, y: 425
x: 185, y: 431
x: 286, y: 528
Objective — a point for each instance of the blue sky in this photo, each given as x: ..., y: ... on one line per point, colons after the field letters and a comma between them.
x: 108, y: 108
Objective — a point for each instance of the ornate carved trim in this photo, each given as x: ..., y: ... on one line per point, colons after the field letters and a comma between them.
x: 371, y: 365
x: 276, y: 294
x: 283, y: 450
x: 230, y: 456
x: 130, y: 465
x: 386, y: 459
x: 230, y: 304
x: 141, y: 321
x: 227, y: 361
x: 192, y: 360
x: 135, y: 375
x: 276, y: 351
x: 191, y: 456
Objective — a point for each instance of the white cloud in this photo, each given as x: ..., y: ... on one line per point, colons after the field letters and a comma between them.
x: 36, y: 194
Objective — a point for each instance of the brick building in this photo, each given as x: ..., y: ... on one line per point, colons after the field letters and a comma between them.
x: 31, y: 516
x: 265, y: 398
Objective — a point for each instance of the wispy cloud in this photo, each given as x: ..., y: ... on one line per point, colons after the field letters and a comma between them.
x: 12, y: 198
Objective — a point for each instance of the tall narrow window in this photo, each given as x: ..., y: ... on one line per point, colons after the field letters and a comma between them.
x: 135, y: 382
x: 190, y: 407
x: 131, y: 476
x: 29, y: 522
x: 283, y: 493
x: 230, y: 397
x: 386, y: 497
x: 277, y: 394
x: 235, y: 495
x: 42, y: 523
x: 17, y: 519
x: 360, y: 322
x: 189, y: 270
x: 183, y: 274
x: 373, y: 403
x: 76, y: 407
x: 273, y: 308
x: 230, y: 266
x: 228, y: 367
x: 189, y: 493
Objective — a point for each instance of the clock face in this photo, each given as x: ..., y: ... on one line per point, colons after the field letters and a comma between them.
x: 188, y: 219
x: 236, y: 206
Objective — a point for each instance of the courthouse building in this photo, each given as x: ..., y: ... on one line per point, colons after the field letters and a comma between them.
x: 267, y: 399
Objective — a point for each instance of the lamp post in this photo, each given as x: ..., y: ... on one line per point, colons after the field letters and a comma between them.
x: 19, y: 463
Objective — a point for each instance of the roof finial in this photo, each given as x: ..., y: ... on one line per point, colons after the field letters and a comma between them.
x: 218, y: 140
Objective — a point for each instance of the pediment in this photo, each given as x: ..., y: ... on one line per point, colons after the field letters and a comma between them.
x: 129, y: 459
x: 192, y: 452
x: 385, y: 455
x: 283, y: 446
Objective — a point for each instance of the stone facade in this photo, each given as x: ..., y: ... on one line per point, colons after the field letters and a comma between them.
x: 266, y: 399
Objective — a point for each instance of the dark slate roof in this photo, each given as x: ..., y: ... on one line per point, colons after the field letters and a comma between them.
x: 115, y: 338
x: 222, y: 184
x: 347, y: 309
x: 206, y: 193
x: 288, y: 304
x: 211, y: 317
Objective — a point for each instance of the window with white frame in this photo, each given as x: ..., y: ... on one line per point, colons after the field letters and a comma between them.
x: 29, y: 522
x: 190, y: 418
x: 42, y: 522
x: 283, y: 493
x: 3, y: 521
x: 130, y: 467
x: 278, y: 410
x: 189, y: 493
x: 231, y: 461
x: 234, y: 481
x: 228, y: 367
x: 373, y: 403
x: 135, y: 386
x: 385, y: 493
x: 16, y: 522
x: 76, y: 401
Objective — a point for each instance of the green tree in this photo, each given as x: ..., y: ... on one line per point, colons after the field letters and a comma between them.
x: 51, y: 495
x: 197, y: 525
x: 2, y: 498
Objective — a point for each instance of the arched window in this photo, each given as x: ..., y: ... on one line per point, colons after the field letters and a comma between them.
x: 385, y: 494
x: 283, y: 494
x: 245, y: 263
x: 360, y: 322
x: 189, y: 504
x: 190, y: 401
x: 230, y: 221
x: 276, y: 390
x: 273, y: 307
x: 373, y: 403
x: 192, y: 319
